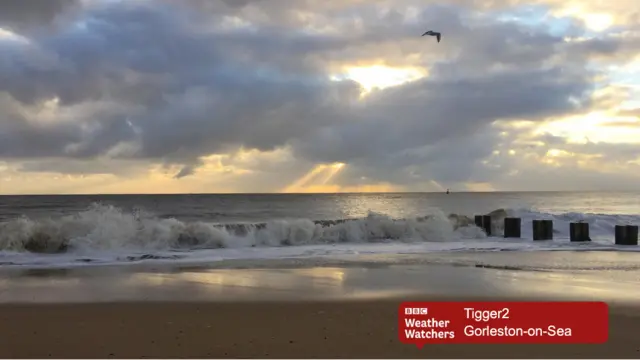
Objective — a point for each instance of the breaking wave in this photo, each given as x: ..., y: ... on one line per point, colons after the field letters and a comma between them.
x: 105, y: 227
x: 104, y: 234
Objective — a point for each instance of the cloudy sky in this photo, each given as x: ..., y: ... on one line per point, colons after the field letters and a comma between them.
x: 166, y: 96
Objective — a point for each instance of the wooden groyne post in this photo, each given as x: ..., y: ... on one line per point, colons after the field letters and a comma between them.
x: 484, y: 223
x: 542, y: 230
x: 579, y: 232
x: 512, y: 227
x: 626, y: 235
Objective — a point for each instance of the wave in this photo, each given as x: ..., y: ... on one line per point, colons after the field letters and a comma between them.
x: 105, y: 227
x: 107, y: 234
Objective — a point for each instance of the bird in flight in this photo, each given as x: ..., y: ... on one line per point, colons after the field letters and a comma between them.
x: 433, y: 33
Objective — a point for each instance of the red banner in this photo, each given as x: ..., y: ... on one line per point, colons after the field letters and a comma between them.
x: 422, y: 323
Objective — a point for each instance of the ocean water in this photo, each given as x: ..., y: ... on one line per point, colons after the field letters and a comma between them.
x: 89, y: 230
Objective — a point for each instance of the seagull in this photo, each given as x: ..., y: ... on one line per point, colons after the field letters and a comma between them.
x: 433, y: 33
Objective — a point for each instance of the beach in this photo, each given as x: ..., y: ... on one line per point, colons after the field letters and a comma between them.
x: 277, y: 329
x: 291, y: 276
x: 277, y: 310
x: 273, y: 179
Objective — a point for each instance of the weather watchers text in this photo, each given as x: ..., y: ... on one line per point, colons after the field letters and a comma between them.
x: 423, y: 323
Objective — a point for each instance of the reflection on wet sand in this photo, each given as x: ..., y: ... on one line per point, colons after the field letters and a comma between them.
x: 316, y: 283
x: 271, y: 279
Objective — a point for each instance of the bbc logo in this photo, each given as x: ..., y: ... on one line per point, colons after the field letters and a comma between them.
x: 416, y: 311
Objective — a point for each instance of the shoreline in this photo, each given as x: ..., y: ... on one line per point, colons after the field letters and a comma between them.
x: 298, y: 329
x: 322, y: 283
x: 301, y: 279
x: 283, y: 312
x: 464, y: 258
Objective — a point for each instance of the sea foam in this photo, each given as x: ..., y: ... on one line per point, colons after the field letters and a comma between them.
x: 104, y: 233
x: 105, y: 227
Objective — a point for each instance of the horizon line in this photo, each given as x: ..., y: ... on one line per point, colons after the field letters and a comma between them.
x: 326, y: 193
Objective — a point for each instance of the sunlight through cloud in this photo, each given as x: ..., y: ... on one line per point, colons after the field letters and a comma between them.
x: 380, y: 77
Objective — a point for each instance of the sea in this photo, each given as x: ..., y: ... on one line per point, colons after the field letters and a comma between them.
x: 54, y: 231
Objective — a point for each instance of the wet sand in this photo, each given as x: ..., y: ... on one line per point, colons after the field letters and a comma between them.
x: 276, y: 329
x: 282, y: 280
x: 295, y: 312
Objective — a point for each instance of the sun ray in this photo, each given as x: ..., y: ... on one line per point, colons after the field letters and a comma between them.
x: 295, y: 186
x: 331, y: 172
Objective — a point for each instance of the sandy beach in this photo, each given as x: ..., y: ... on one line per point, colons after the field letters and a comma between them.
x: 358, y: 329
x: 282, y: 311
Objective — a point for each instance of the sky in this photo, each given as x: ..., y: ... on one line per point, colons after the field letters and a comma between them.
x: 227, y: 96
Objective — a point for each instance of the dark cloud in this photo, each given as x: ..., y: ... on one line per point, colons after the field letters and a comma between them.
x: 535, y: 167
x: 189, y: 94
x: 82, y: 167
x: 450, y: 163
x: 159, y: 81
x: 185, y: 171
x: 569, y: 178
x: 20, y: 15
x: 620, y: 153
